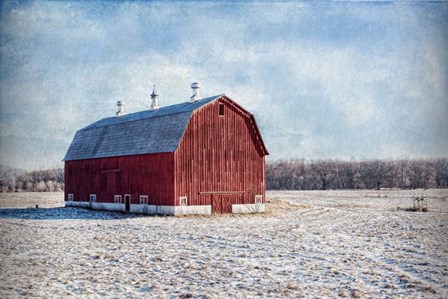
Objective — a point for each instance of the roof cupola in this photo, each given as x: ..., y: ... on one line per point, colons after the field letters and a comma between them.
x: 196, y: 88
x: 120, y: 105
x: 154, y: 99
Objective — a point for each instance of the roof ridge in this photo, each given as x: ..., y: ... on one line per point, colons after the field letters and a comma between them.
x: 144, y: 132
x: 129, y: 121
x: 123, y: 119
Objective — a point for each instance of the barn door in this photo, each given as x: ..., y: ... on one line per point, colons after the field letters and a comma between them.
x: 226, y: 204
x: 216, y: 204
x: 127, y: 203
x: 221, y: 204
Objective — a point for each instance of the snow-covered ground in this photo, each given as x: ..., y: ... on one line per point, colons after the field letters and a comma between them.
x: 309, y: 244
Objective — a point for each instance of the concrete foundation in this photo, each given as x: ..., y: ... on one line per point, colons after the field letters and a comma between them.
x: 193, y: 210
x: 163, y: 210
x: 249, y: 208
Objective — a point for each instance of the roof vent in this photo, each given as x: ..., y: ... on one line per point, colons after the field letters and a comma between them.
x: 196, y: 87
x: 120, y: 111
x: 154, y: 99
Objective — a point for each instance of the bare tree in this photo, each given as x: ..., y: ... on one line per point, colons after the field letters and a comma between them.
x: 5, y: 177
x: 324, y: 171
x: 377, y: 173
x: 441, y: 167
x: 349, y: 176
x: 325, y: 174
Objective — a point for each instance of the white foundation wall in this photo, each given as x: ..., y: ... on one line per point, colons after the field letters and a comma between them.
x: 121, y: 207
x: 171, y: 210
x: 164, y: 210
x: 96, y: 205
x: 108, y: 206
x: 78, y: 204
x: 193, y: 210
x: 153, y: 209
x: 249, y: 208
x: 143, y: 209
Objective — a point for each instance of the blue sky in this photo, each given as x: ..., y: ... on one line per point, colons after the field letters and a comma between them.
x: 324, y: 79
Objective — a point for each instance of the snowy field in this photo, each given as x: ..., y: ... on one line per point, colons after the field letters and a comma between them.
x: 313, y: 244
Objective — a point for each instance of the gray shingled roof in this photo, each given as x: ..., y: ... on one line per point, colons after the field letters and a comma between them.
x: 145, y: 132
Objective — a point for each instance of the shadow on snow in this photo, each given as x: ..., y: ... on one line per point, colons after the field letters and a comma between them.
x: 63, y: 213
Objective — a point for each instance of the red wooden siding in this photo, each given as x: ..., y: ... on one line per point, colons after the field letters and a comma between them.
x: 219, y: 154
x: 151, y: 175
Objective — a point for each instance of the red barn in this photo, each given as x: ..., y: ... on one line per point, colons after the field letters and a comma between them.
x: 203, y: 156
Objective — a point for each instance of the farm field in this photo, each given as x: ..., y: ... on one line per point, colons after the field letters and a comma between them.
x: 314, y: 244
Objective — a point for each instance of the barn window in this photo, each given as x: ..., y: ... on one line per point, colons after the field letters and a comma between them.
x: 143, y: 199
x: 117, y: 198
x: 258, y: 198
x: 93, y: 197
x: 183, y: 201
x: 221, y: 109
x: 71, y: 197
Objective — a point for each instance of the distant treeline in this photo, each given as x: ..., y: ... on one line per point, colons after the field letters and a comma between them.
x: 287, y: 175
x: 15, y: 180
x: 369, y: 174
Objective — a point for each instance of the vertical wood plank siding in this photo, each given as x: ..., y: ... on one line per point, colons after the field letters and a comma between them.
x: 220, y: 161
x: 137, y: 175
x: 219, y: 154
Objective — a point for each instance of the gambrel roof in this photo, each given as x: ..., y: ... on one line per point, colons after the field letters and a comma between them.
x: 144, y: 132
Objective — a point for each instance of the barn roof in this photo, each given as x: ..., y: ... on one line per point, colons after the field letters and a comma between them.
x: 144, y: 132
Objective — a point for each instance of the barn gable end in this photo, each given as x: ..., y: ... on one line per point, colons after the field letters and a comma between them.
x: 220, y: 160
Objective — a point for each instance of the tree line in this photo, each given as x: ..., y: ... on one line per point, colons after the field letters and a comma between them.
x: 15, y: 180
x: 287, y: 175
x: 368, y: 174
